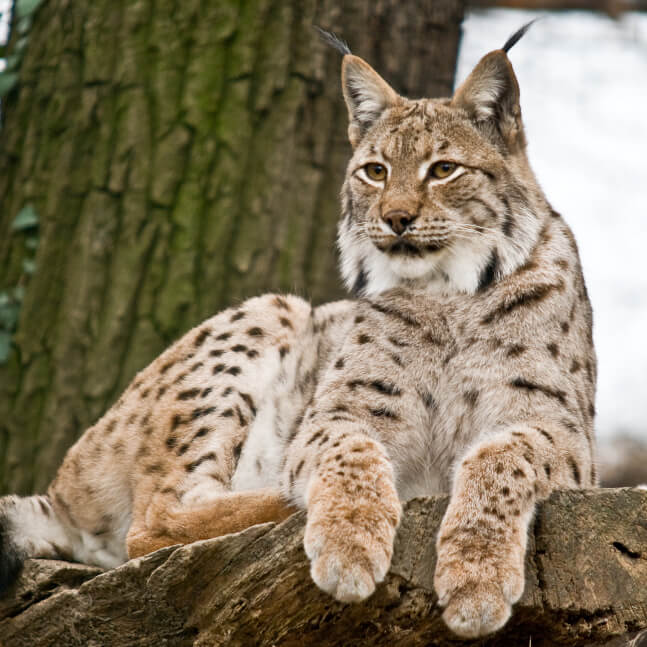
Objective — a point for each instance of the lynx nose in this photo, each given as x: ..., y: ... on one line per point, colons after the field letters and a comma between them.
x: 398, y: 220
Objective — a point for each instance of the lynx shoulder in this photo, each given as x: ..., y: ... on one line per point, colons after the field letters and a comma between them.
x: 464, y: 363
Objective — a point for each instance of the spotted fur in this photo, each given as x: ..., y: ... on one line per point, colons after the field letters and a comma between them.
x: 465, y: 364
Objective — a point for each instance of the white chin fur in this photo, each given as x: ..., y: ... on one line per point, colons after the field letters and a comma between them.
x: 385, y: 272
x: 411, y: 267
x: 444, y: 271
x: 454, y: 269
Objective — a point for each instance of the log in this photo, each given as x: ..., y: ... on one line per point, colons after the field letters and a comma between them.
x: 586, y: 584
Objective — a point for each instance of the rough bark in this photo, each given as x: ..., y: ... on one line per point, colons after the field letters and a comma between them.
x: 586, y: 584
x: 180, y: 157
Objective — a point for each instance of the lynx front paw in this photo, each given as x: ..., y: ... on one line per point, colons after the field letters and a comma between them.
x: 350, y: 543
x: 477, y: 588
x: 475, y: 610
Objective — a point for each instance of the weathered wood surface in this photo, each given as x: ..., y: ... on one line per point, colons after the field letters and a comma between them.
x: 586, y: 585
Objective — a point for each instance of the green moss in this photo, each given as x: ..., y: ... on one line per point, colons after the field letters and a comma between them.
x: 101, y: 47
x: 169, y: 164
x: 178, y: 292
x: 206, y: 71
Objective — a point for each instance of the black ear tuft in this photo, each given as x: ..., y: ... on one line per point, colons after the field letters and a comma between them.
x: 11, y: 558
x: 514, y: 39
x: 334, y: 41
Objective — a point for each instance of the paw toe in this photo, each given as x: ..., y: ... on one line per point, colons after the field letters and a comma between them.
x: 350, y: 583
x: 354, y: 585
x: 513, y: 586
x: 477, y: 613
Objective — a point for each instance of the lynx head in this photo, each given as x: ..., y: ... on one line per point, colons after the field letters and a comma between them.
x: 438, y: 193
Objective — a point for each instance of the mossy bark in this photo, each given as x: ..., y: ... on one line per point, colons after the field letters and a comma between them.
x: 181, y: 156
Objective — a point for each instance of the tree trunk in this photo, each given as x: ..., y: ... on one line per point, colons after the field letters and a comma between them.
x: 179, y: 156
x: 586, y: 584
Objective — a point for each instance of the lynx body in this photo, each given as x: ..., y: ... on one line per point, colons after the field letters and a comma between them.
x: 464, y: 364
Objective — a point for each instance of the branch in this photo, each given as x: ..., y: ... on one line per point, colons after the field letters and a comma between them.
x: 586, y: 584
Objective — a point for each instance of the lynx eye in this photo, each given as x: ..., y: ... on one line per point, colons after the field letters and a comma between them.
x: 442, y: 170
x: 376, y: 172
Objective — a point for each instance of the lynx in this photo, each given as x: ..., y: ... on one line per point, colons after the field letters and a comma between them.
x: 464, y: 364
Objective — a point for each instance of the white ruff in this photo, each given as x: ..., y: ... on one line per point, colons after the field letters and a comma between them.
x: 445, y: 271
x: 454, y: 269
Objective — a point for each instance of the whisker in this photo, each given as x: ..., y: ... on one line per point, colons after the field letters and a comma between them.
x: 446, y: 232
x: 488, y: 231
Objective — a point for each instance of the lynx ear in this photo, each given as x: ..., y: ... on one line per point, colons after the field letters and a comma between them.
x: 367, y: 96
x: 490, y: 95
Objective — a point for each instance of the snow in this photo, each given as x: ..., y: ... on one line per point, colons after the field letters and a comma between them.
x: 583, y: 80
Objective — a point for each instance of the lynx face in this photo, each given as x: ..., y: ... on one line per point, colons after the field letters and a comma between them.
x: 436, y: 193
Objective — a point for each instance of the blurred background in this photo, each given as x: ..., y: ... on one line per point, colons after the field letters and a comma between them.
x: 159, y: 161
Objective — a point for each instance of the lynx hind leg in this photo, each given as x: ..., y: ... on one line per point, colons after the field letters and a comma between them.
x: 203, y: 394
x: 167, y: 521
x: 213, y: 383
